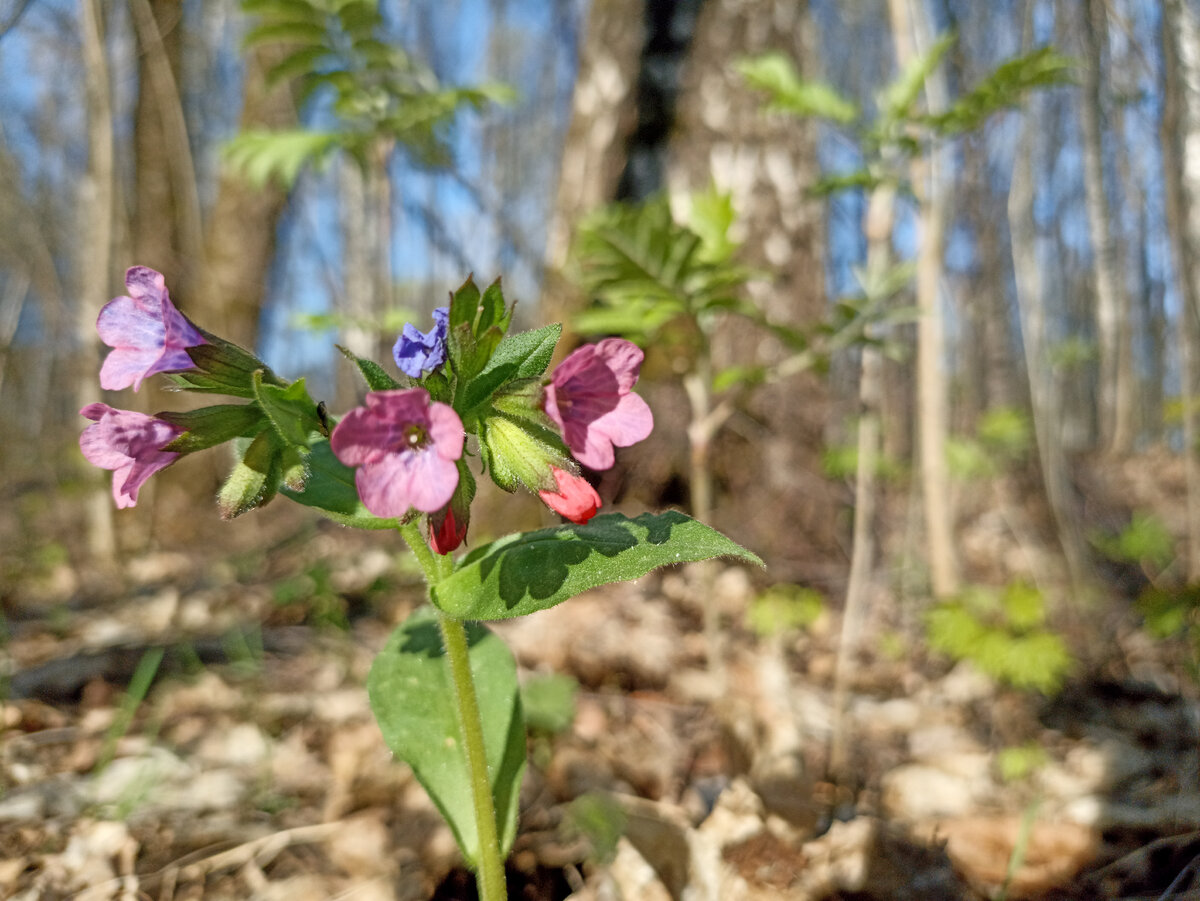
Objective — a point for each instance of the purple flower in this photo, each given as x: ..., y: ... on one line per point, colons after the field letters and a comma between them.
x: 417, y: 353
x: 590, y: 399
x: 405, y: 448
x: 130, y: 444
x: 145, y: 331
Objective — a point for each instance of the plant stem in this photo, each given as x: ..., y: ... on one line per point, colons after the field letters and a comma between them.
x: 701, y: 430
x: 490, y: 873
x: 490, y: 865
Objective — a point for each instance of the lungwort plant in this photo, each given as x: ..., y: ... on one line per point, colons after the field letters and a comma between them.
x: 444, y: 689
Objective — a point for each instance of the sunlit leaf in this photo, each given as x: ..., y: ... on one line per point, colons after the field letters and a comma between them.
x: 413, y: 699
x: 532, y: 571
x: 775, y: 74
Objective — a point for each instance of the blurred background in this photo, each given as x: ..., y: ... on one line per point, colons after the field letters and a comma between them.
x: 918, y: 284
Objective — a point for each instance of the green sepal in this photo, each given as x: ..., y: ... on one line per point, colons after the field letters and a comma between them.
x: 254, y: 480
x: 438, y: 386
x: 291, y: 411
x: 373, y: 374
x: 413, y: 700
x: 221, y: 367
x: 209, y: 426
x: 293, y: 463
x: 519, y: 451
x: 330, y: 489
x: 202, y: 383
x: 532, y: 571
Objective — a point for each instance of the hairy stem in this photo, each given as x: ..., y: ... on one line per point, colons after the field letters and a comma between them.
x: 490, y: 865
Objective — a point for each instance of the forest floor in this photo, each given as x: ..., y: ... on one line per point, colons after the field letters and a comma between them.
x: 199, y: 728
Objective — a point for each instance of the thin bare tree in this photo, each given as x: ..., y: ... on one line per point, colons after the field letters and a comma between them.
x: 1115, y: 396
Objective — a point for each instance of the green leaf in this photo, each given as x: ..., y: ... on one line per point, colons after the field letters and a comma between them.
x: 373, y: 374
x: 784, y: 608
x: 292, y: 413
x: 1024, y: 607
x: 464, y: 304
x: 412, y: 698
x: 293, y: 32
x: 282, y: 9
x: 775, y: 74
x: 522, y: 573
x: 1168, y: 612
x: 521, y: 356
x: 359, y: 19
x: 599, y: 819
x: 1145, y: 540
x: 711, y: 217
x: 549, y: 702
x: 1004, y: 88
x: 896, y: 100
x: 303, y: 62
x: 261, y: 155
x: 646, y: 269
x: 493, y: 310
x: 330, y: 489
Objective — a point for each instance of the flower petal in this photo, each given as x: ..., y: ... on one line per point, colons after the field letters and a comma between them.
x: 145, y: 331
x: 589, y: 398
x: 575, y: 499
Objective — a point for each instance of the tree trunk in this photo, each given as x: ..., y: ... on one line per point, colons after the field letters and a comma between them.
x: 929, y: 185
x: 95, y: 260
x: 1044, y: 393
x: 1115, y: 394
x: 166, y: 229
x: 770, y: 477
x: 1181, y: 166
x: 240, y: 238
x: 223, y: 283
x: 603, y: 114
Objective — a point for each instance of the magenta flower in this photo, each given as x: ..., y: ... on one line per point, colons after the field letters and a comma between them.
x: 130, y: 444
x: 575, y: 498
x: 405, y: 448
x: 590, y: 399
x: 145, y: 331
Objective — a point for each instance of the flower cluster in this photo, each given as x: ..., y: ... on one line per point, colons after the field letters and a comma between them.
x: 407, y: 446
x: 148, y: 335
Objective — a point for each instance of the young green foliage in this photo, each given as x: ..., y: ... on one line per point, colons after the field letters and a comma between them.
x: 377, y: 91
x: 775, y: 74
x: 1004, y: 633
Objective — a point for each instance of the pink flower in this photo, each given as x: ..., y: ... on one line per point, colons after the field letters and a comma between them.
x: 405, y: 448
x: 145, y: 331
x: 590, y: 399
x: 130, y: 444
x: 575, y: 499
